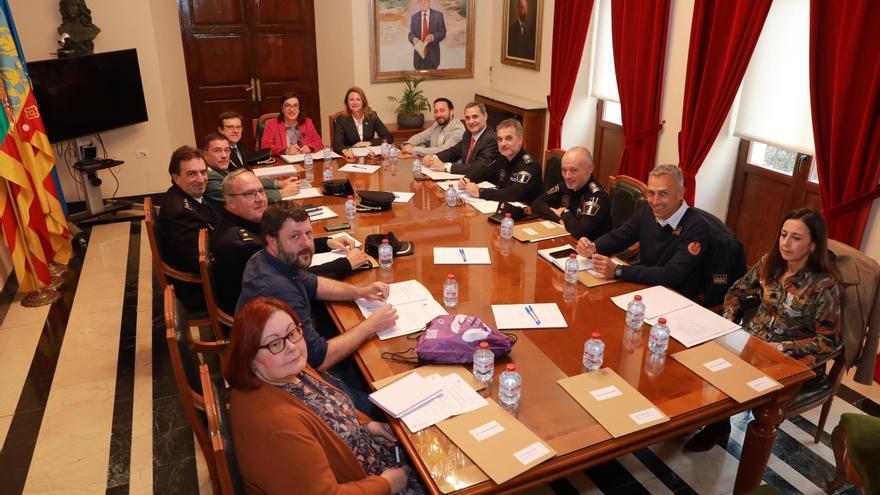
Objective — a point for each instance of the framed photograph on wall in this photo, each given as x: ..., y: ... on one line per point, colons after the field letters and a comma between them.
x: 421, y: 38
x: 521, y: 33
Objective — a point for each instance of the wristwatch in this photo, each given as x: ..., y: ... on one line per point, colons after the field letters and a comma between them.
x: 618, y: 271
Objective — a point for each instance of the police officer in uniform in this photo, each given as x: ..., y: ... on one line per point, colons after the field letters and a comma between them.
x: 579, y: 202
x: 519, y: 175
x: 237, y: 237
x: 183, y: 212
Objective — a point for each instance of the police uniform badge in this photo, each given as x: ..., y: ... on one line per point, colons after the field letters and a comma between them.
x: 246, y: 235
x: 594, y: 188
x: 589, y: 206
x: 186, y: 204
x: 522, y: 177
x: 553, y: 190
x: 527, y: 159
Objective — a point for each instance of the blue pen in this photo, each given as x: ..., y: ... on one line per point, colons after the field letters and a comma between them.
x: 463, y: 257
x: 358, y: 166
x: 531, y: 311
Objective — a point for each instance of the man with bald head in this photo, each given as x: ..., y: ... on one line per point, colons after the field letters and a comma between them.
x: 578, y: 202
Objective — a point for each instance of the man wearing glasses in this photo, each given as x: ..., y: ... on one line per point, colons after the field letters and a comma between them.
x: 237, y: 237
x: 216, y: 150
x: 229, y: 124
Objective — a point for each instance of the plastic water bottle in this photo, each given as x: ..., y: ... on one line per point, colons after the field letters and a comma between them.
x: 571, y: 269
x: 658, y: 342
x: 386, y: 254
x: 451, y: 196
x: 507, y: 227
x: 635, y: 312
x: 484, y: 363
x: 308, y: 162
x: 510, y: 386
x: 417, y: 165
x: 310, y: 175
x: 594, y: 352
x: 350, y: 208
x: 328, y: 154
x: 386, y: 148
x: 328, y: 171
x: 393, y: 153
x: 450, y: 291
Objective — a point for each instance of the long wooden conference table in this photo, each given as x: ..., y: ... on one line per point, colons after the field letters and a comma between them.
x: 518, y: 275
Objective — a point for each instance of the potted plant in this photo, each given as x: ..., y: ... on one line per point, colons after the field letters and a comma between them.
x: 411, y: 104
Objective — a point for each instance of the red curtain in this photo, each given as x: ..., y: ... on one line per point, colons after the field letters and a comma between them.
x: 571, y: 20
x: 845, y: 96
x: 638, y: 33
x: 723, y: 37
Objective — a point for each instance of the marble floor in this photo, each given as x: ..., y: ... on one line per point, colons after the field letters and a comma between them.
x: 88, y: 403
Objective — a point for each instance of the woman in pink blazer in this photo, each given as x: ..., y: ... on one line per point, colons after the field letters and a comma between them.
x: 292, y: 132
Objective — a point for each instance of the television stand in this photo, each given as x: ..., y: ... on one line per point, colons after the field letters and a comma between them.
x: 98, y: 208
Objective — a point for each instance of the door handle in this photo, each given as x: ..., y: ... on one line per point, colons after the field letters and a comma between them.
x: 250, y: 89
x: 259, y: 91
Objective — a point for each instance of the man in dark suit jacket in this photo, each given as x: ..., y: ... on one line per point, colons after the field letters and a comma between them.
x: 476, y: 155
x: 521, y: 33
x: 427, y: 26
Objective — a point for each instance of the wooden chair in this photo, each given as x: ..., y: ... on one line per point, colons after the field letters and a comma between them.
x: 258, y: 125
x: 330, y: 120
x: 182, y: 349
x: 627, y: 196
x: 552, y: 167
x: 220, y: 321
x: 854, y: 441
x: 221, y: 438
x: 164, y: 270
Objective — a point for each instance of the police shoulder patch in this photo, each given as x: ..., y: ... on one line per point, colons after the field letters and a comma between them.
x: 245, y: 234
x: 186, y: 204
x: 527, y: 158
x: 594, y: 188
x: 553, y: 190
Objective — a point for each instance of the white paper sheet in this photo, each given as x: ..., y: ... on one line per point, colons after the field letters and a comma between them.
x: 300, y: 157
x: 341, y: 235
x: 659, y: 301
x: 414, y: 304
x: 514, y: 316
x: 406, y: 395
x: 323, y: 214
x: 461, y: 256
x: 439, y: 174
x: 483, y: 205
x: 695, y: 324
x: 277, y: 171
x: 305, y: 193
x: 359, y: 168
x: 402, y: 197
x: 457, y: 397
x: 366, y: 150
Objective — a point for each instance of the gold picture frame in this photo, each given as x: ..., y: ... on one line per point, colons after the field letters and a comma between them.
x: 397, y: 50
x: 521, y: 41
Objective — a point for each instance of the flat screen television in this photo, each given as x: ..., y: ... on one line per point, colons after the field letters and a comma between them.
x: 83, y: 95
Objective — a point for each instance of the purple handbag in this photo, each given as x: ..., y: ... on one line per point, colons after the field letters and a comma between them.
x: 454, y: 338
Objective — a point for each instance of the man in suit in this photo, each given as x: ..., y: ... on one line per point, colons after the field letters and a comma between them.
x: 475, y: 156
x: 229, y: 124
x: 183, y: 211
x: 521, y: 33
x: 426, y: 27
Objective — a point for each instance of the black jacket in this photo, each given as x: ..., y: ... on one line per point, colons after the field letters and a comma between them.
x: 482, y: 164
x: 345, y: 134
x: 517, y: 180
x: 589, y: 208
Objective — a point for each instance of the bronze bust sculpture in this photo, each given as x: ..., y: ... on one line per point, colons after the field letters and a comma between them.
x: 76, y: 24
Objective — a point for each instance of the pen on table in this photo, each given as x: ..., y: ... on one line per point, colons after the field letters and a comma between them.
x: 397, y: 454
x: 314, y: 209
x: 358, y: 166
x: 463, y: 257
x: 531, y: 311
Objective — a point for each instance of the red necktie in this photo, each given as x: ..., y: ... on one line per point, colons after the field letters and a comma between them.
x: 470, y: 148
x: 424, y: 25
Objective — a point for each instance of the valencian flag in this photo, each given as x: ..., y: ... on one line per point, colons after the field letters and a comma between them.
x: 26, y: 172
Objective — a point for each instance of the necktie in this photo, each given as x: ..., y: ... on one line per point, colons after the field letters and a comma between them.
x: 238, y: 154
x: 424, y: 25
x: 470, y: 148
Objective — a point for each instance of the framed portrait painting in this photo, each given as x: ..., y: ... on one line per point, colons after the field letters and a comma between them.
x: 521, y: 33
x: 421, y: 38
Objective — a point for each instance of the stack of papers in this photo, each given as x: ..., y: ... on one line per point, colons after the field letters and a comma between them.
x: 406, y: 395
x: 306, y: 191
x: 583, y: 263
x: 537, y: 231
x: 461, y: 256
x: 300, y: 157
x: 367, y: 151
x: 402, y: 197
x: 359, y: 168
x: 481, y: 205
x: 322, y: 258
x: 688, y: 322
x: 439, y: 175
x: 519, y: 316
x: 277, y: 171
x: 320, y: 213
x: 456, y: 397
x: 414, y: 304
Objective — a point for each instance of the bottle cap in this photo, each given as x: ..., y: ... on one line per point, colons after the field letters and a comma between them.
x: 596, y: 335
x: 661, y: 321
x: 573, y: 256
x: 484, y: 345
x: 637, y: 297
x: 511, y: 367
x: 507, y: 215
x: 450, y: 277
x: 350, y: 196
x: 384, y: 241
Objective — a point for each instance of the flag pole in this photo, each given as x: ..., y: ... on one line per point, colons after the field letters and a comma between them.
x: 40, y: 296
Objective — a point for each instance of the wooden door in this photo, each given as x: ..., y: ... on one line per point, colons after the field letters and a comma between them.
x: 241, y: 55
x: 767, y: 184
x: 608, y: 145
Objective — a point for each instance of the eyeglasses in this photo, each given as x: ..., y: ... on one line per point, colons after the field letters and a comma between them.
x: 233, y: 127
x: 278, y: 345
x: 252, y: 194
x: 289, y: 106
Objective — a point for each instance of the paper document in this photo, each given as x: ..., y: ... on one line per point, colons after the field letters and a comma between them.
x: 440, y: 175
x: 305, y: 193
x: 320, y: 213
x: 367, y: 151
x: 406, y: 395
x: 277, y: 171
x: 420, y: 47
x: 300, y: 157
x: 695, y: 324
x: 402, y: 197
x: 345, y: 235
x: 414, y: 304
x: 457, y: 397
x: 583, y: 263
x: 359, y: 168
x: 520, y: 316
x: 483, y: 205
x: 659, y: 301
x: 461, y: 256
